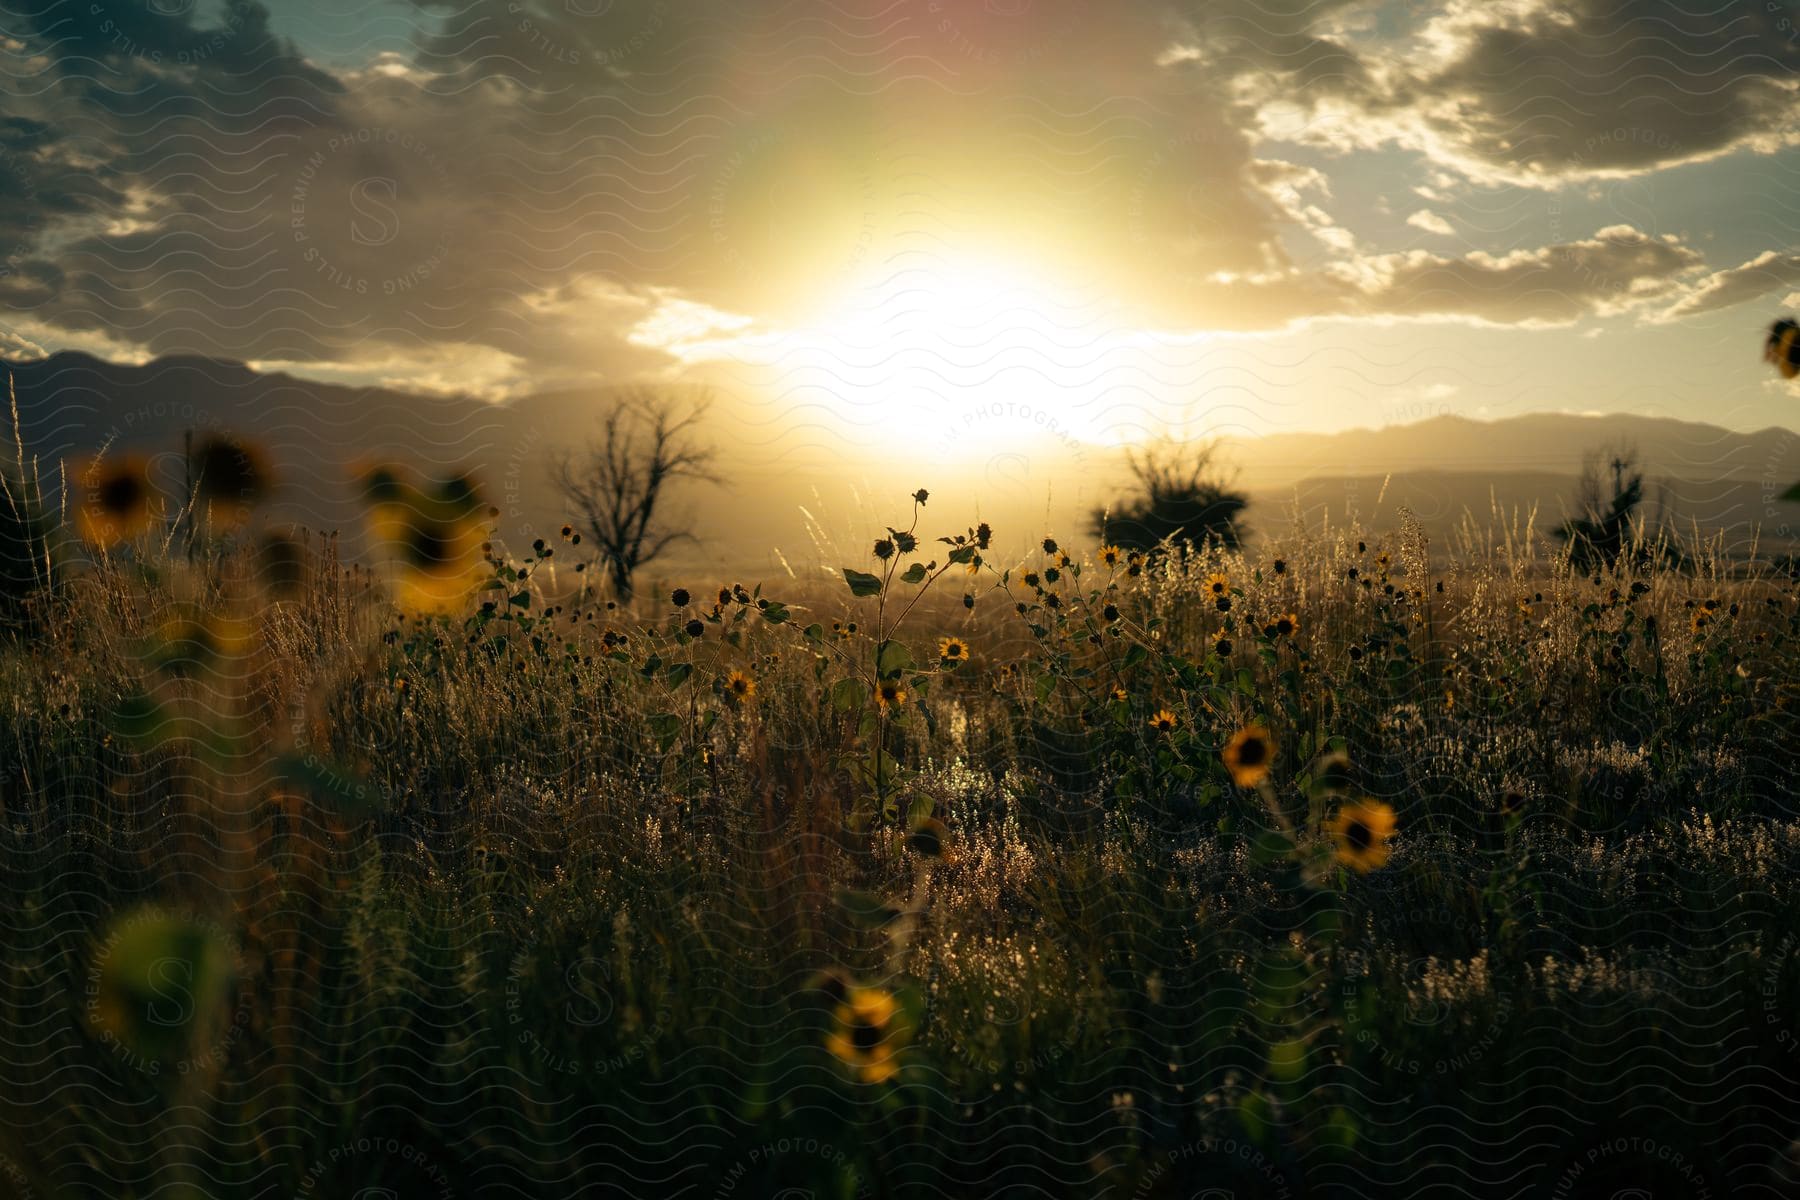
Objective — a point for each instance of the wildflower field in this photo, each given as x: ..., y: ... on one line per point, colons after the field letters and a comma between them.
x: 1342, y: 865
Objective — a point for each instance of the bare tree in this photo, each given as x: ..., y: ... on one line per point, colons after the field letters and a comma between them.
x: 618, y: 486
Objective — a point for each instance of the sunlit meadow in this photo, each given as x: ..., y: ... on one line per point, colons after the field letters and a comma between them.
x: 1343, y: 860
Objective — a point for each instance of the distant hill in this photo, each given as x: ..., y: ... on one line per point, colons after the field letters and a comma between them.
x: 71, y: 404
x: 1444, y: 502
x: 1535, y: 442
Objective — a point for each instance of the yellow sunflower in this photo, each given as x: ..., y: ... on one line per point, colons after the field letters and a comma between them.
x: 229, y: 476
x: 439, y: 564
x: 863, y: 1035
x: 1110, y: 556
x: 953, y: 650
x: 1218, y: 585
x: 117, y: 500
x: 1362, y: 831
x: 1249, y: 755
x: 740, y: 686
x: 1783, y: 348
x: 1164, y: 721
x: 890, y: 694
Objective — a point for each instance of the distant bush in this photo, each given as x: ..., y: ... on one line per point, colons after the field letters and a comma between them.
x: 1182, y: 497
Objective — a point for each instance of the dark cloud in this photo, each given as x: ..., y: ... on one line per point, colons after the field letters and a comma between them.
x: 1616, y: 85
x: 1722, y: 289
x: 543, y: 173
x: 1543, y: 91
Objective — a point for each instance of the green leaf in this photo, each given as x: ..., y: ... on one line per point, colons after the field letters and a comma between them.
x: 775, y: 614
x: 1792, y: 495
x: 1270, y: 846
x: 143, y: 722
x: 678, y: 673
x: 329, y: 785
x: 815, y: 632
x: 161, y: 980
x: 891, y: 659
x: 848, y: 695
x: 861, y: 583
x: 665, y: 727
x: 866, y: 909
x: 520, y: 599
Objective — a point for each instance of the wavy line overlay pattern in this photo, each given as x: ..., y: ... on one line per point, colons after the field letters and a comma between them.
x: 366, y: 830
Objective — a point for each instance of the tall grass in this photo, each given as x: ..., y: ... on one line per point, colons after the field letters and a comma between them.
x: 526, y: 899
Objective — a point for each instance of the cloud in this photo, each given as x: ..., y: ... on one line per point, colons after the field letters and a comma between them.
x: 542, y: 175
x: 1761, y: 275
x: 18, y: 348
x: 1430, y: 222
x: 1539, y: 92
x: 1616, y: 270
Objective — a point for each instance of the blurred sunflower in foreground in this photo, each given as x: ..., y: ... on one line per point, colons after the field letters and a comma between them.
x: 230, y: 477
x: 1361, y: 832
x: 117, y: 501
x: 864, y: 1033
x: 1248, y: 755
x: 433, y: 532
x: 1783, y: 348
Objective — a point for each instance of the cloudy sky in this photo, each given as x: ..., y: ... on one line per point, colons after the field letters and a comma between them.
x: 924, y: 222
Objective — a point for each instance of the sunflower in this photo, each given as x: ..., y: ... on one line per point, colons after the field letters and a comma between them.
x: 1285, y: 625
x: 1110, y: 556
x: 282, y: 564
x: 740, y: 686
x: 1783, y: 348
x: 863, y: 1035
x: 439, y: 563
x: 1248, y: 755
x: 1164, y: 721
x: 117, y: 501
x: 953, y: 650
x: 889, y: 693
x: 1120, y: 695
x: 1362, y: 831
x: 1218, y: 585
x: 930, y: 838
x: 229, y: 475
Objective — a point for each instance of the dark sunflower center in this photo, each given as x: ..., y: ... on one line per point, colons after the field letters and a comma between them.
x: 1253, y: 753
x: 120, y: 494
x: 865, y: 1037
x: 428, y: 546
x: 1359, y: 835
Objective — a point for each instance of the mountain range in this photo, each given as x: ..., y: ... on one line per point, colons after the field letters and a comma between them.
x: 1450, y: 472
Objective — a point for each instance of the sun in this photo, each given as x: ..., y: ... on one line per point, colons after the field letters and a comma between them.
x: 960, y: 359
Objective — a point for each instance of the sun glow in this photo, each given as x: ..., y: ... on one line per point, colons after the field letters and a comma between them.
x: 964, y: 361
